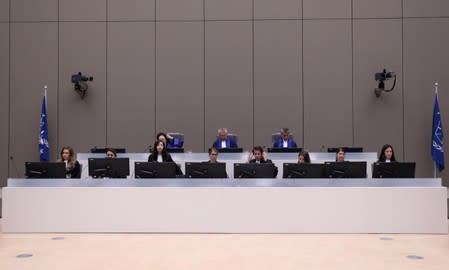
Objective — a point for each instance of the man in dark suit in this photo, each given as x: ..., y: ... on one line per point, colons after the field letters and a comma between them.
x: 260, y: 156
x: 223, y: 140
x: 284, y: 141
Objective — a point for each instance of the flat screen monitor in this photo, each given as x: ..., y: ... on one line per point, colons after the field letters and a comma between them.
x: 394, y: 170
x: 284, y: 150
x: 155, y: 169
x: 345, y: 169
x: 303, y: 170
x: 206, y: 170
x: 346, y: 149
x: 109, y: 167
x: 96, y: 150
x: 230, y: 150
x: 254, y: 170
x: 45, y: 169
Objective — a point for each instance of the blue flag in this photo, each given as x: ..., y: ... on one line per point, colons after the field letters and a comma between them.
x: 437, y: 137
x: 44, y: 150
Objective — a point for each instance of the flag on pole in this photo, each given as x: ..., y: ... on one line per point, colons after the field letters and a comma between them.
x: 44, y: 150
x: 437, y: 135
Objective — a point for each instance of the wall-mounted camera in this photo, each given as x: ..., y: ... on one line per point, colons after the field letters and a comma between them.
x: 80, y: 82
x: 381, y: 77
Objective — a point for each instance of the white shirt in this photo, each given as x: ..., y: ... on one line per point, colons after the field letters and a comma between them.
x: 285, y: 144
x: 387, y: 160
x: 223, y: 144
x: 159, y: 158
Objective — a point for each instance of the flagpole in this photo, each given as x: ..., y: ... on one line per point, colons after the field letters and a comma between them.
x: 434, y: 164
x: 45, y: 93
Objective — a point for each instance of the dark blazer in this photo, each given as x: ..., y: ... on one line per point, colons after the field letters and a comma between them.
x: 165, y: 158
x: 75, y: 172
x: 266, y: 161
x: 229, y: 143
x: 168, y: 158
x: 279, y: 143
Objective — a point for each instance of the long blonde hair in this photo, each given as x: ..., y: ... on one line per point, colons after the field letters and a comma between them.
x: 72, y: 159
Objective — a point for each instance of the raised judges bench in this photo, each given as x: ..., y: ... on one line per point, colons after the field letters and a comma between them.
x: 231, y: 158
x: 225, y: 205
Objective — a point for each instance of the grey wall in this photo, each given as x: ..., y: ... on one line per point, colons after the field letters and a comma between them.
x: 253, y: 66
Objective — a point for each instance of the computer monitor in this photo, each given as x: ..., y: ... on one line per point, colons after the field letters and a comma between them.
x: 284, y: 150
x: 394, y: 170
x: 347, y: 149
x: 155, y: 169
x: 96, y: 150
x: 109, y: 167
x: 45, y: 169
x: 345, y: 169
x: 230, y: 150
x: 254, y: 170
x: 206, y: 170
x: 303, y: 170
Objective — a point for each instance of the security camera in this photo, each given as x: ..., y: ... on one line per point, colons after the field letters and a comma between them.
x: 381, y: 77
x: 79, y: 80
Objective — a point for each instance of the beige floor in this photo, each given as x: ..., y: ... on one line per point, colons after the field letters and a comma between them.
x: 223, y: 251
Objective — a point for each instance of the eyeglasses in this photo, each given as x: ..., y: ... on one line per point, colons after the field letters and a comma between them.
x: 214, y: 154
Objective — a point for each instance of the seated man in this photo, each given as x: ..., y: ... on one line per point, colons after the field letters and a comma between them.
x: 284, y: 141
x: 213, y: 155
x: 223, y: 140
x: 260, y: 156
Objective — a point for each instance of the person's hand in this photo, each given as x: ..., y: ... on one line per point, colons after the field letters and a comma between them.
x: 250, y: 156
x: 265, y: 156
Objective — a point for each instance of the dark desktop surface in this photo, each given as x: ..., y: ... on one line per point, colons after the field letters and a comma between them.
x: 283, y: 150
x: 230, y: 150
x: 175, y: 150
x: 347, y: 149
x: 104, y: 150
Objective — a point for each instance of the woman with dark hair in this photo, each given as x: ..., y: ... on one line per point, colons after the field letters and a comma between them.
x: 303, y: 157
x: 340, y: 155
x: 387, y: 154
x: 111, y: 153
x: 73, y: 167
x: 168, y: 140
x: 160, y: 154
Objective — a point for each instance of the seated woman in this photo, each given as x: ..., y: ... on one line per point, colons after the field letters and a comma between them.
x: 387, y: 154
x: 169, y: 141
x: 73, y: 167
x: 160, y: 154
x: 303, y: 157
x: 111, y: 153
x: 340, y: 155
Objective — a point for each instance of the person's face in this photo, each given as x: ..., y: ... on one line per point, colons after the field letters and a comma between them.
x: 341, y: 156
x: 388, y: 153
x: 284, y: 136
x: 223, y: 135
x: 110, y: 154
x: 162, y: 139
x: 65, y: 154
x: 213, y: 156
x: 301, y: 159
x: 258, y: 155
x: 160, y: 147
